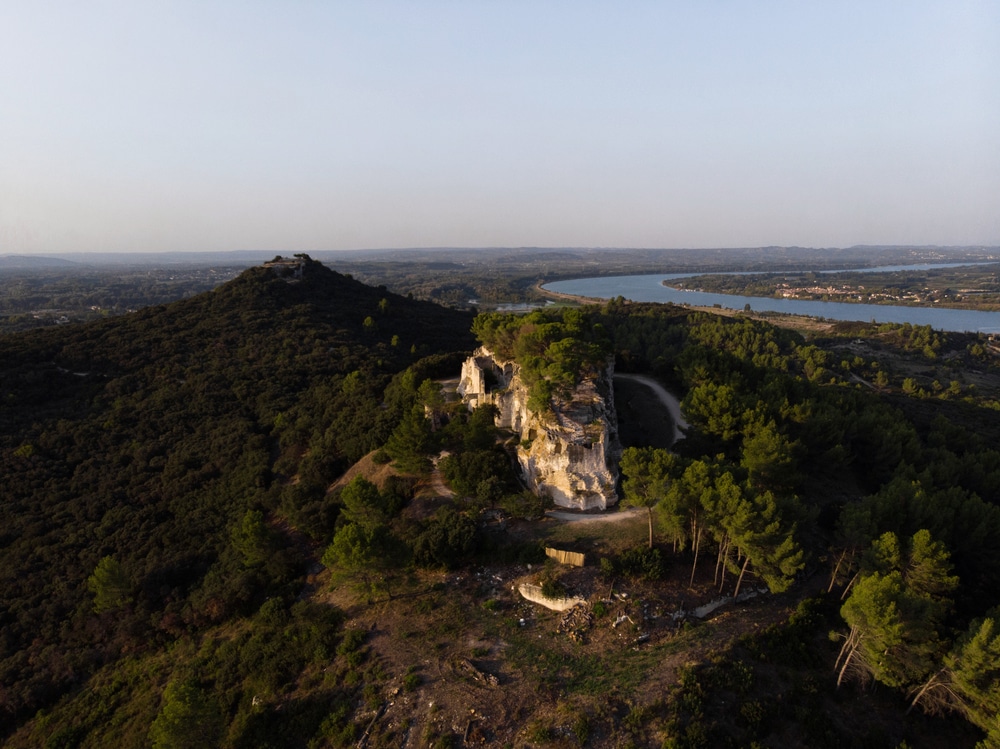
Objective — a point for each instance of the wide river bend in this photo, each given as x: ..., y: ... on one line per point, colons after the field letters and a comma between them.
x: 649, y: 288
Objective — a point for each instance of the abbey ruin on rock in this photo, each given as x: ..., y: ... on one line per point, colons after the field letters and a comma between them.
x: 569, y: 452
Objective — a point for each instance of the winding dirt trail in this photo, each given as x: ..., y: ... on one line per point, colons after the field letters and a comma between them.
x: 674, y: 407
x: 437, y: 479
x: 667, y: 398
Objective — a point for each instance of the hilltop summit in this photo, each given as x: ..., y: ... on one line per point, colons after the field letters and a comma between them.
x: 147, y: 438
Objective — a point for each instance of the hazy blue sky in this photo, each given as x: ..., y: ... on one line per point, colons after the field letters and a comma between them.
x: 300, y: 126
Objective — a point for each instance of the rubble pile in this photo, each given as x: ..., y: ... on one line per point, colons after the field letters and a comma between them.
x: 575, y: 623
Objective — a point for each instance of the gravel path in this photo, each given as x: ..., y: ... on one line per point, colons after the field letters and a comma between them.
x: 604, y: 517
x: 437, y: 480
x: 668, y: 399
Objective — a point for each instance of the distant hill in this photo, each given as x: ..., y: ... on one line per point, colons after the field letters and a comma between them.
x: 640, y: 259
x: 33, y: 262
x: 145, y: 438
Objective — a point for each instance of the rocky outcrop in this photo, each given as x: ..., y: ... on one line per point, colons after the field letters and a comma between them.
x: 534, y: 594
x: 568, y: 453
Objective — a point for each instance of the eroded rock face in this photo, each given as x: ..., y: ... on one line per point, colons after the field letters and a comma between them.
x: 569, y: 454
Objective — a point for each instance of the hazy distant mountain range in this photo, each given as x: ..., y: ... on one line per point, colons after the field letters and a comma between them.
x: 859, y: 254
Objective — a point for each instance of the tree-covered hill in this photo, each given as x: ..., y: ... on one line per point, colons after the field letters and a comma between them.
x: 164, y: 497
x: 140, y: 453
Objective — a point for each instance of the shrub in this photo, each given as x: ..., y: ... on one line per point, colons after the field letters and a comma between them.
x: 581, y: 729
x: 608, y: 568
x: 351, y: 641
x: 524, y: 505
x: 644, y: 563
x: 411, y: 680
x: 539, y: 733
x: 552, y: 588
x: 446, y: 539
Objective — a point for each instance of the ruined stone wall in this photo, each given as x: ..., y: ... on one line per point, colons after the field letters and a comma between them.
x: 573, y: 558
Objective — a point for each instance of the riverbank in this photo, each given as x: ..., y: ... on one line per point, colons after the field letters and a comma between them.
x: 549, y: 294
x: 650, y: 288
x: 960, y: 286
x: 801, y: 323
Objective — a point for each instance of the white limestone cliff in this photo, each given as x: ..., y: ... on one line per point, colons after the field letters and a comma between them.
x: 569, y: 453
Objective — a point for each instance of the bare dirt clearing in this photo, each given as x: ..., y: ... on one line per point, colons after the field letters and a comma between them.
x: 463, y: 654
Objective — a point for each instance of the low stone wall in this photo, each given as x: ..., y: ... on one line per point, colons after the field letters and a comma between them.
x: 573, y: 558
x: 533, y: 593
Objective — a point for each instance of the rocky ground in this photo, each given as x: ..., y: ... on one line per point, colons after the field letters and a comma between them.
x: 464, y: 655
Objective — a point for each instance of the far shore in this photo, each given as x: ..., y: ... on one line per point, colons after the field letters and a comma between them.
x: 793, y: 322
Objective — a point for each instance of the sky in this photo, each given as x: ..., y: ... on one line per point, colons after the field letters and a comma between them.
x: 209, y: 125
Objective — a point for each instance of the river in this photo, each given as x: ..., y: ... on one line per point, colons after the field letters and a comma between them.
x: 649, y: 288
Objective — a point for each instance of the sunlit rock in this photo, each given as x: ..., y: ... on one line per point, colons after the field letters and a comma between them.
x: 570, y: 451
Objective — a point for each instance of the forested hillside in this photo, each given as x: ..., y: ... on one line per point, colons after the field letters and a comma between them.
x: 166, y: 511
x: 134, y: 448
x: 800, y: 461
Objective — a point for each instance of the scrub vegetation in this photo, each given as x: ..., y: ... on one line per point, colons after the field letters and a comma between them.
x: 555, y: 349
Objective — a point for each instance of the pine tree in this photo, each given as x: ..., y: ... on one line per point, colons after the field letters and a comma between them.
x: 364, y: 505
x: 253, y: 539
x: 896, y: 610
x: 109, y: 584
x: 647, y: 473
x: 410, y: 442
x: 969, y: 680
x: 769, y: 457
x: 189, y: 719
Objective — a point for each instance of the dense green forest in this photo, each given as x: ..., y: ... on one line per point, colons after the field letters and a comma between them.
x: 144, y: 453
x: 167, y: 509
x: 902, y: 496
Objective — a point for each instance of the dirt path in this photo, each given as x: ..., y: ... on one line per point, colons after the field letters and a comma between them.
x: 437, y: 484
x: 605, y: 517
x: 861, y: 381
x: 667, y: 398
